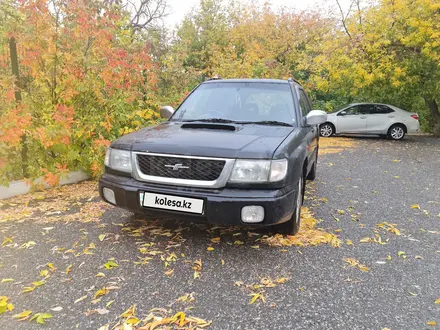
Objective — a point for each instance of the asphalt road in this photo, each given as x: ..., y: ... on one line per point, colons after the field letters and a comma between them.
x: 374, y: 182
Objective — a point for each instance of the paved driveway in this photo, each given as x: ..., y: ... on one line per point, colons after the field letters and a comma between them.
x: 378, y: 200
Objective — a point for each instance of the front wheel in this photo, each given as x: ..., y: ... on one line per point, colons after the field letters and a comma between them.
x: 396, y: 132
x: 291, y: 227
x: 326, y: 130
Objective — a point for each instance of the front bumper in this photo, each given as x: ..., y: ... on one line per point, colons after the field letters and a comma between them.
x: 221, y: 206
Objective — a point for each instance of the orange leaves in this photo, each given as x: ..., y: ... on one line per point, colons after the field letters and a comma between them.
x: 13, y: 125
x: 63, y: 115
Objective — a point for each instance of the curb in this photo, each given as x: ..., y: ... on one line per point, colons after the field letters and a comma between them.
x: 20, y: 187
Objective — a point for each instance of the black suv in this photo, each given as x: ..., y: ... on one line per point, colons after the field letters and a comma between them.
x: 235, y: 152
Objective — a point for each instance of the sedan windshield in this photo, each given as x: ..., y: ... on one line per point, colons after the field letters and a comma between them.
x: 239, y: 102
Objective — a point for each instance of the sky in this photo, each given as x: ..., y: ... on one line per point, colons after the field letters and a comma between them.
x: 179, y: 8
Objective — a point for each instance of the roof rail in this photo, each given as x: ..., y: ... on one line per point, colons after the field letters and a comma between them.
x: 290, y: 79
x: 214, y: 78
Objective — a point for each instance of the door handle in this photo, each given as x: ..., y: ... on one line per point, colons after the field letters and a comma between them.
x: 390, y: 116
x: 363, y: 117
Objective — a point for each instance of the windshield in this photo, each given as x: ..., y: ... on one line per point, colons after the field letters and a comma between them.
x: 245, y: 102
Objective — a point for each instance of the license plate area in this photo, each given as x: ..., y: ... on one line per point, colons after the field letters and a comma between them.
x: 172, y: 203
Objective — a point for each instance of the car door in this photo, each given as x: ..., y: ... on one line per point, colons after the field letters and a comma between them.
x: 379, y: 119
x: 312, y: 131
x: 352, y: 120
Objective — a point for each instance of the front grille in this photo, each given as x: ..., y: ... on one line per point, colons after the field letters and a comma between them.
x: 198, y: 169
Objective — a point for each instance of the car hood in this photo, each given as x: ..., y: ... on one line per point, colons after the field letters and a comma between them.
x: 207, y: 140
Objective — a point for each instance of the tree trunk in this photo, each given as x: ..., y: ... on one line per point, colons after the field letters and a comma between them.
x: 433, y: 107
x: 15, y: 72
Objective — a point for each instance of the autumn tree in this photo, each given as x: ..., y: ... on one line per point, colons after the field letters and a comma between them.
x: 85, y: 81
x: 389, y: 53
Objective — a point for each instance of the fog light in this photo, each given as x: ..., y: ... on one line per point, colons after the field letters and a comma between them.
x: 109, y: 195
x: 252, y: 214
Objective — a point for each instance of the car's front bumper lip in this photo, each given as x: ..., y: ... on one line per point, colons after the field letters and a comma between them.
x: 222, y: 206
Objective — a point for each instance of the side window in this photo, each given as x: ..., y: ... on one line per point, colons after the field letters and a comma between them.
x: 304, y: 103
x: 355, y: 110
x: 380, y: 109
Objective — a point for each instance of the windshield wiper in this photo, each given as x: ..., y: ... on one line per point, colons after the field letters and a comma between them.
x: 211, y: 120
x: 266, y: 122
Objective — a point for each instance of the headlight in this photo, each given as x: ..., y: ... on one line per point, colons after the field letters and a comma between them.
x: 119, y: 160
x: 255, y: 171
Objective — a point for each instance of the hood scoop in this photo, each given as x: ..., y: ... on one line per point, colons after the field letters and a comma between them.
x: 220, y: 127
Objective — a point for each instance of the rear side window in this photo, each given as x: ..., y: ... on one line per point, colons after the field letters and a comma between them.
x: 380, y: 109
x: 304, y: 103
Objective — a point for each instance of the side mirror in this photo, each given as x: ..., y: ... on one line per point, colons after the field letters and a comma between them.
x: 342, y: 113
x: 316, y: 117
x: 166, y: 112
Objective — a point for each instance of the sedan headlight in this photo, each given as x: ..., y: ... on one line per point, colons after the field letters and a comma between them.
x: 119, y: 160
x: 258, y: 171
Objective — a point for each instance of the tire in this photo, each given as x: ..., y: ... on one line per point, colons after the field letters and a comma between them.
x: 291, y: 227
x: 396, y: 132
x: 312, y: 174
x: 326, y: 130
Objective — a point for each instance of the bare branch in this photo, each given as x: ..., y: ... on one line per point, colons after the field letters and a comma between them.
x: 344, y: 17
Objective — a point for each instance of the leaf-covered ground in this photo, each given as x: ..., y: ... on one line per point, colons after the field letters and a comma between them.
x: 367, y: 257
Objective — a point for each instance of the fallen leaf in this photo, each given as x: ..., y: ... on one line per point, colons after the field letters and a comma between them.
x: 355, y: 263
x: 215, y: 240
x: 41, y: 317
x: 5, y: 306
x: 57, y: 309
x: 109, y: 303
x: 6, y: 280
x: 433, y: 323
x: 401, y: 254
x: 349, y: 242
x: 132, y: 321
x: 101, y: 292
x: 102, y: 311
x: 255, y: 297
x: 415, y: 206
x: 100, y: 275
x: 111, y: 264
x: 44, y: 273
x: 23, y: 316
x: 51, y: 266
x: 80, y: 299
x: 437, y: 301
x: 6, y: 241
x: 129, y: 312
x: 27, y: 245
x: 169, y: 272
x: 68, y: 269
x: 210, y: 248
x: 101, y: 237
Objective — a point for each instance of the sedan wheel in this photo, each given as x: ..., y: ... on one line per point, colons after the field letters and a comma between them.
x: 326, y: 130
x: 396, y: 132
